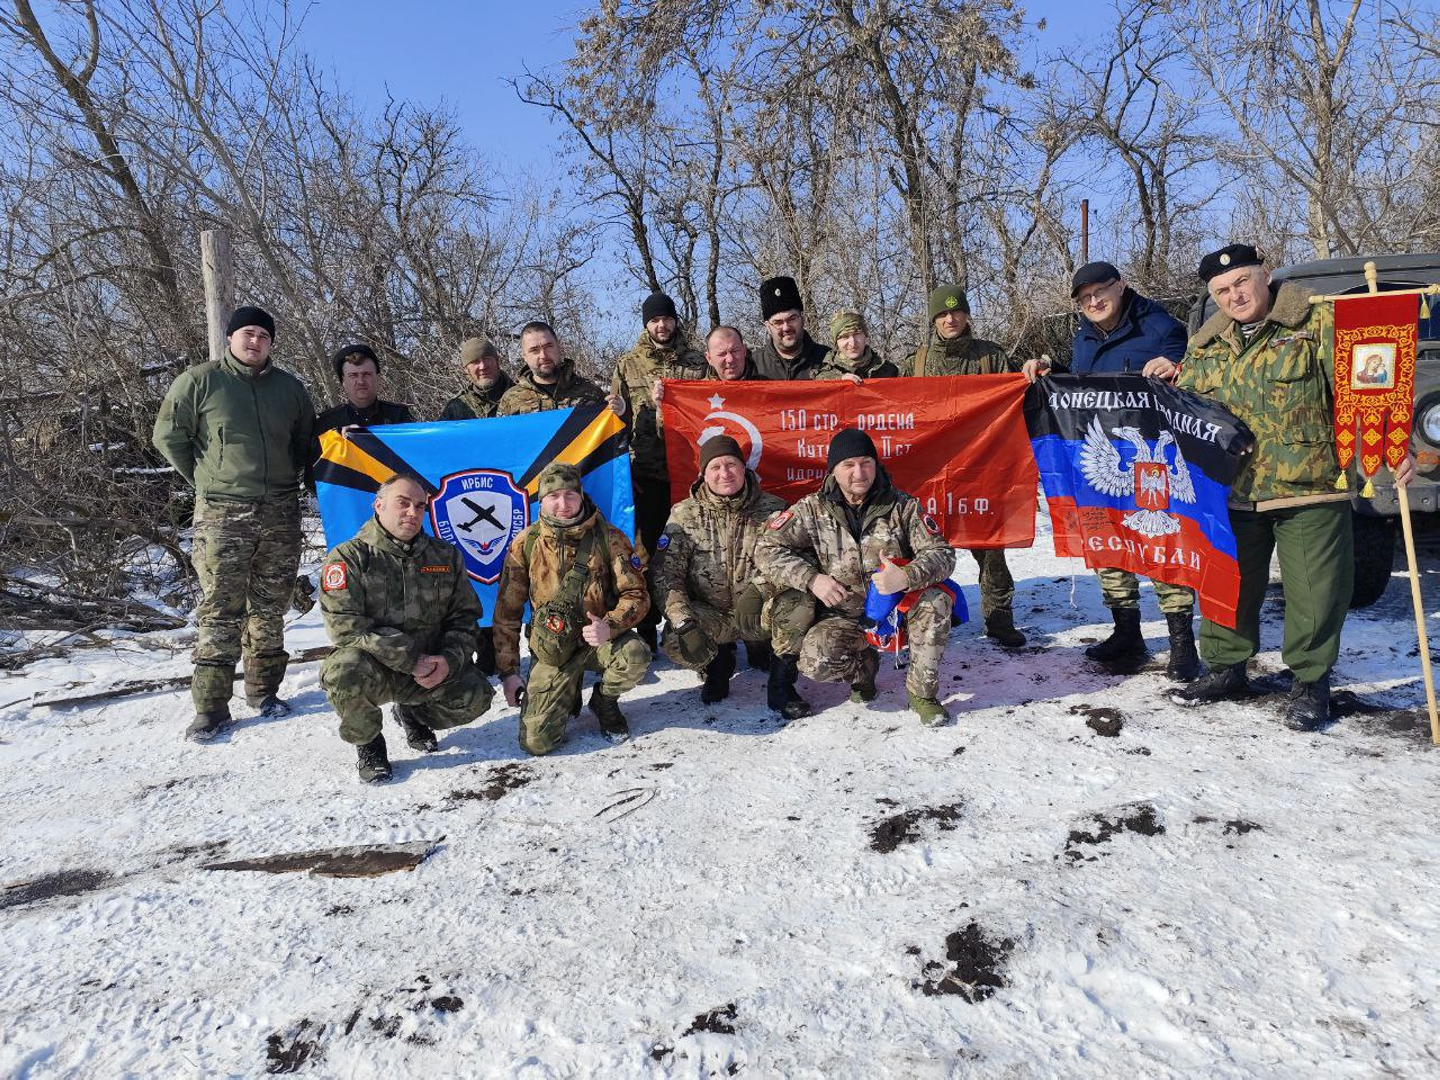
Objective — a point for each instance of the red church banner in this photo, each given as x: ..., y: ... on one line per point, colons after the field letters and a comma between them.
x: 1375, y: 340
x: 957, y: 443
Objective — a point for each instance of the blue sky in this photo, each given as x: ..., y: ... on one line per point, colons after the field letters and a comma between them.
x: 459, y: 53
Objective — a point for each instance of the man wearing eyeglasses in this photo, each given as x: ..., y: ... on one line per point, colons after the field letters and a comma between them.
x: 1120, y: 332
x: 789, y: 352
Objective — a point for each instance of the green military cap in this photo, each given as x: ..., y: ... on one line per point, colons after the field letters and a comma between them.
x: 845, y: 322
x: 472, y: 349
x: 948, y: 298
x: 557, y: 476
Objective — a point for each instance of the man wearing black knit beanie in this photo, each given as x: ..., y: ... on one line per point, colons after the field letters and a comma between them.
x: 826, y: 551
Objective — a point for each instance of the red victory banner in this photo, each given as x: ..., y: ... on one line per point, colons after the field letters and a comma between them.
x: 1375, y: 338
x: 957, y: 443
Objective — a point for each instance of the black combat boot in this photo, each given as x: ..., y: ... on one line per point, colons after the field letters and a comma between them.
x: 1125, y: 645
x: 717, y: 676
x: 780, y: 692
x: 862, y: 690
x: 418, y: 734
x: 374, y: 762
x: 1184, y: 663
x: 1222, y: 684
x: 1308, y: 707
x: 758, y: 655
x: 612, y: 721
x: 270, y: 706
x: 208, y: 724
x: 1000, y: 628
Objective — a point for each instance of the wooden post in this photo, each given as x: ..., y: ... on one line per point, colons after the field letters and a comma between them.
x: 217, y: 271
x: 1415, y: 598
x: 1084, y: 231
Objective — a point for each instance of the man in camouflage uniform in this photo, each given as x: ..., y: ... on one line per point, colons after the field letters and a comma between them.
x: 704, y: 569
x: 1267, y: 356
x: 728, y: 359
x: 357, y: 370
x: 238, y: 429
x: 485, y: 385
x: 828, y: 549
x: 789, y: 351
x: 401, y: 613
x: 662, y: 352
x: 953, y: 349
x: 612, y: 600
x: 550, y: 381
x: 852, y: 358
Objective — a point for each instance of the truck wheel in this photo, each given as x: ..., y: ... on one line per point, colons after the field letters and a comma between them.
x: 1374, y: 558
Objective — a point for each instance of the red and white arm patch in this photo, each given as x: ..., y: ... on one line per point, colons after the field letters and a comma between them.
x: 930, y: 525
x: 780, y: 520
x: 334, y: 577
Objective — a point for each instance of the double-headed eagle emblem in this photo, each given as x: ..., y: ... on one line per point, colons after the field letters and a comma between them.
x: 1150, y: 478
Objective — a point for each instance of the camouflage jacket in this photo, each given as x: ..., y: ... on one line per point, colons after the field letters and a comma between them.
x: 1280, y: 385
x: 569, y: 390
x: 822, y: 534
x: 472, y: 403
x: 635, y: 376
x: 615, y: 590
x: 398, y: 601
x: 772, y: 365
x: 965, y: 355
x: 869, y: 366
x: 707, y: 551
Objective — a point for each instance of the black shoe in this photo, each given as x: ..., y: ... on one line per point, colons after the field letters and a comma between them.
x: 418, y: 734
x: 758, y: 655
x: 1184, y: 663
x: 717, y: 676
x: 1222, y: 684
x: 208, y: 724
x: 1308, y: 708
x: 1125, y: 645
x: 374, y: 764
x: 780, y: 692
x: 269, y: 706
x: 1000, y: 628
x: 612, y: 721
x: 863, y: 690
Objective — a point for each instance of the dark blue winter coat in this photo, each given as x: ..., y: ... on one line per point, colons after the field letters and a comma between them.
x: 1145, y: 330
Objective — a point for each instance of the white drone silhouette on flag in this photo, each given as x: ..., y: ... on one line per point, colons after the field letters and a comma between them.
x: 1150, y: 478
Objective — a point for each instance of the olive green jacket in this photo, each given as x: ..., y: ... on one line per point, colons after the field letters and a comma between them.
x: 236, y: 434
x: 965, y: 355
x: 1280, y: 384
x: 398, y: 602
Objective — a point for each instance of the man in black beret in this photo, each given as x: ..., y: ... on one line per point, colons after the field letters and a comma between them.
x: 1267, y: 356
x: 789, y: 351
x: 357, y: 369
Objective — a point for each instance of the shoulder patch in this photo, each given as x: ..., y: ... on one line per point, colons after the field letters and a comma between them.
x: 334, y: 577
x: 635, y: 562
x: 780, y: 520
x: 930, y: 525
x: 437, y: 569
x: 663, y: 542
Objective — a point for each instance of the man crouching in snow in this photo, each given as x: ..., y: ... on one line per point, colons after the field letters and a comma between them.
x: 828, y: 548
x: 402, y: 614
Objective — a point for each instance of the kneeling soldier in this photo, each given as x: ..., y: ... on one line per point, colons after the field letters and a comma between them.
x: 704, y: 567
x: 587, y: 590
x: 401, y: 613
x: 830, y: 546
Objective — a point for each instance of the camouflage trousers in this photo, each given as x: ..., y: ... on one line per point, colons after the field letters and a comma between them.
x: 1121, y: 590
x: 552, y: 694
x: 744, y: 623
x: 831, y: 646
x: 997, y: 587
x: 358, y: 684
x: 245, y: 555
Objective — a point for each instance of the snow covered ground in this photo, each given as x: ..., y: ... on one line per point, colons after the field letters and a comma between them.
x: 851, y: 895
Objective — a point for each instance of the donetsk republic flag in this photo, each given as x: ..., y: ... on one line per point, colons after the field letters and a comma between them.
x: 481, y: 476
x: 1137, y: 475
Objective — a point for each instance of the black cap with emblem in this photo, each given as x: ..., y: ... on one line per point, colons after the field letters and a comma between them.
x: 1226, y: 259
x: 779, y: 294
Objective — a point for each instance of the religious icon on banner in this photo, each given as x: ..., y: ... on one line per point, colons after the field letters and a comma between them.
x: 1375, y: 341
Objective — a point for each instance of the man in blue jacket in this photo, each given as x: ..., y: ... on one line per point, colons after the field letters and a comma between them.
x: 1120, y: 332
